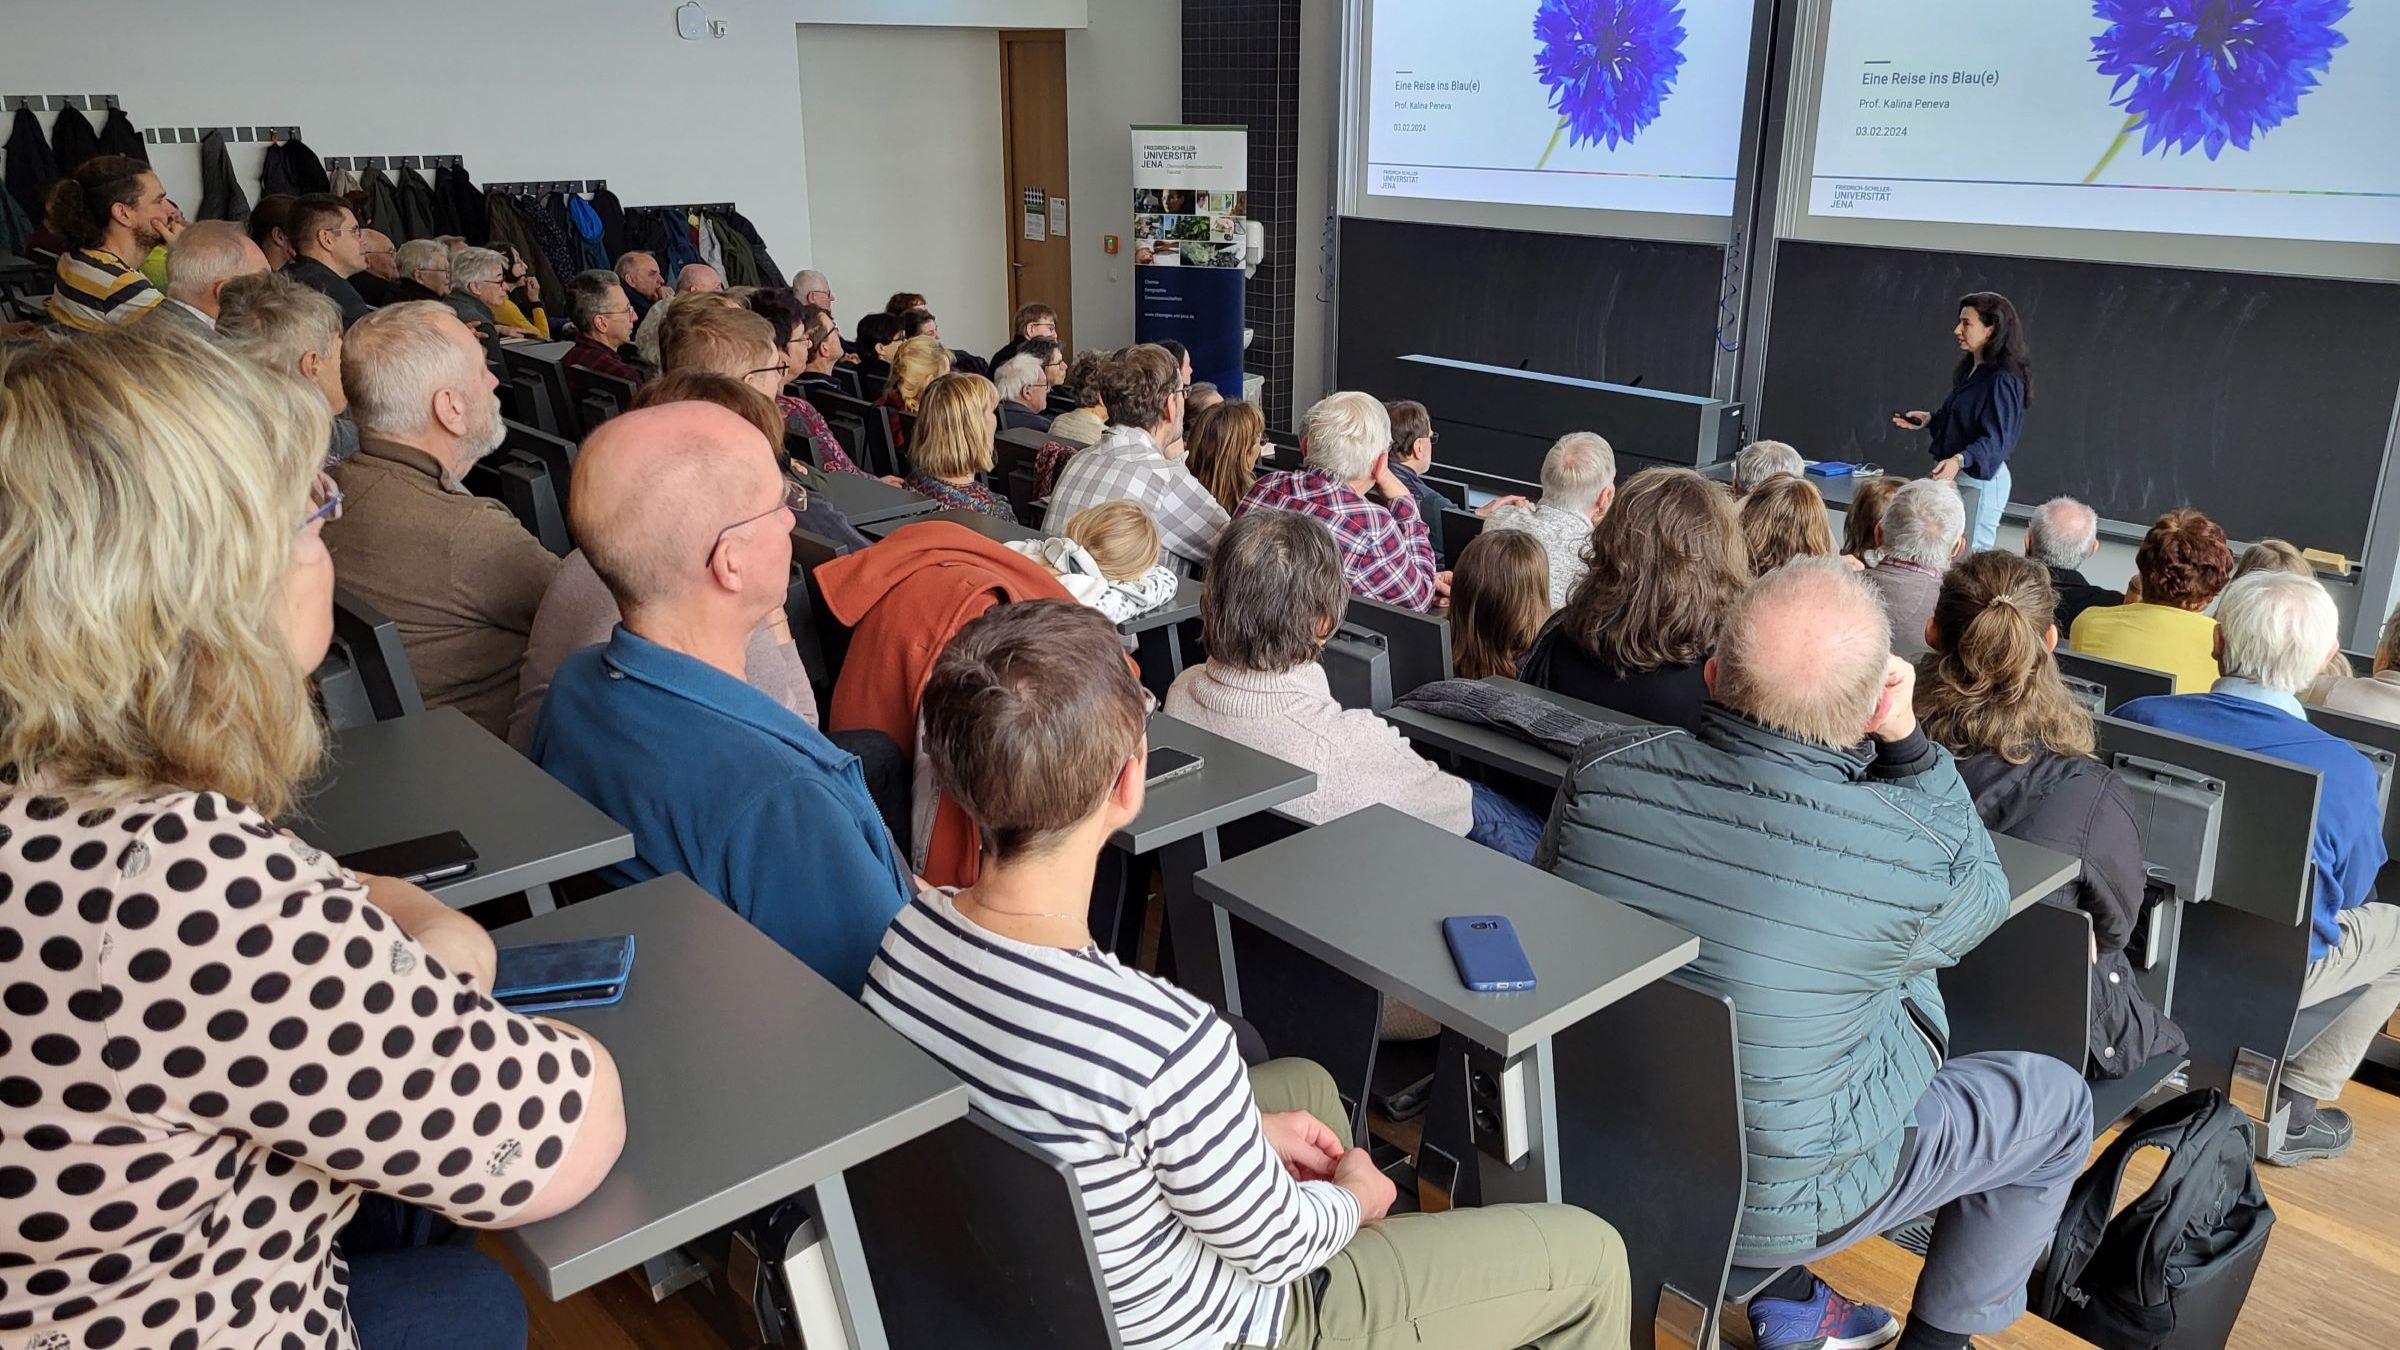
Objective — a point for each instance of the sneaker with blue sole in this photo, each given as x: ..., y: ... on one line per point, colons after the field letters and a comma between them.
x: 1823, y: 1321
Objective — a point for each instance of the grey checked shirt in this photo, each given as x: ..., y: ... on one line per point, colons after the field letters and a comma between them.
x: 1126, y: 465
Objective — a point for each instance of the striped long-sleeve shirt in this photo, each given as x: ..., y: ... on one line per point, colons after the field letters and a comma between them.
x: 1138, y: 1087
x: 96, y: 291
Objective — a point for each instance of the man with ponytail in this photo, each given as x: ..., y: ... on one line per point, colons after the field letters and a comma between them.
x: 1990, y: 692
x: 2275, y: 632
x: 111, y: 212
x: 1829, y: 859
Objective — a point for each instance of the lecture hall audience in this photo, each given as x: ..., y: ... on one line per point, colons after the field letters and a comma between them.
x: 2375, y: 694
x: 424, y: 272
x: 1145, y: 405
x: 1760, y: 461
x: 683, y: 516
x: 1346, y: 444
x: 1275, y: 593
x: 645, y: 285
x: 111, y: 211
x: 1579, y: 480
x: 326, y: 245
x: 282, y: 325
x: 604, y: 322
x: 1923, y: 530
x: 1035, y: 726
x: 162, y: 722
x: 1032, y: 321
x: 1222, y: 447
x: 1024, y: 392
x: 2181, y: 565
x: 1666, y: 564
x: 1783, y: 517
x: 1499, y: 601
x: 1990, y: 692
x: 1749, y: 833
x: 456, y: 573
x: 2272, y: 636
x: 200, y: 262
x: 2064, y: 536
x: 1086, y: 422
x: 1864, y: 516
x: 952, y: 450
x: 1108, y: 558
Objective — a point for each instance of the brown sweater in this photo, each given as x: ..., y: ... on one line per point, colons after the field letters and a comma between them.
x: 460, y: 578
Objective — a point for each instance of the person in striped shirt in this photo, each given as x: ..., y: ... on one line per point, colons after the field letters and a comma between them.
x: 112, y: 212
x: 1227, y: 1206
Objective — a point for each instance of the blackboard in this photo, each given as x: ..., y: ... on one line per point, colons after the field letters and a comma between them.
x: 2265, y: 401
x: 1583, y: 305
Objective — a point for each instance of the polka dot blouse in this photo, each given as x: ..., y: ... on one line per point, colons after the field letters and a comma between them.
x: 212, y: 1042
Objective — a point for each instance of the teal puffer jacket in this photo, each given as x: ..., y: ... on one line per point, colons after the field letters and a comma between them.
x: 1826, y: 888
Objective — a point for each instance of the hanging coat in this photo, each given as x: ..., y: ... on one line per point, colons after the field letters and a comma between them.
x: 72, y: 140
x: 547, y: 218
x: 119, y: 136
x: 740, y: 268
x: 511, y: 221
x: 767, y: 270
x: 467, y: 200
x: 16, y: 230
x: 445, y: 207
x: 589, y: 251
x: 346, y: 186
x: 416, y: 207
x: 290, y: 166
x: 221, y: 195
x: 31, y: 166
x: 704, y: 242
x: 383, y: 203
x: 612, y: 224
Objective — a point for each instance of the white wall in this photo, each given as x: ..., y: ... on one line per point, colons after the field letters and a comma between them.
x: 662, y: 119
x: 906, y: 182
x: 1126, y: 68
x: 949, y: 13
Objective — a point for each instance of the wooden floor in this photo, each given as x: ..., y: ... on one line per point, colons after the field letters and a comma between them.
x: 2331, y: 1279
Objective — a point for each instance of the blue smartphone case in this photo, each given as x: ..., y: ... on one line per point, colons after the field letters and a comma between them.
x: 547, y: 976
x: 1485, y: 949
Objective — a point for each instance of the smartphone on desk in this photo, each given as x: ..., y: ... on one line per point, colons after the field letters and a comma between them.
x: 425, y: 861
x: 1485, y: 949
x: 1168, y: 762
x: 548, y: 976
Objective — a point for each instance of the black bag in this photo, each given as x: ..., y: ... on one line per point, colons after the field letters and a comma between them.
x: 2172, y: 1271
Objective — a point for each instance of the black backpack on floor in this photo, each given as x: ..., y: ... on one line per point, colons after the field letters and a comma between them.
x: 2172, y: 1271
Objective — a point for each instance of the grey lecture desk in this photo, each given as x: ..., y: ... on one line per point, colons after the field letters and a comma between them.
x: 990, y: 527
x: 1179, y: 823
x: 1366, y: 895
x: 866, y: 501
x: 435, y: 771
x: 748, y: 1080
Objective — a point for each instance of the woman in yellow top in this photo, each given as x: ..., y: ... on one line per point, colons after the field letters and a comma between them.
x: 521, y: 308
x: 2184, y: 561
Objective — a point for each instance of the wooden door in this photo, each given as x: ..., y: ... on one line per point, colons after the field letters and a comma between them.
x: 1033, y: 110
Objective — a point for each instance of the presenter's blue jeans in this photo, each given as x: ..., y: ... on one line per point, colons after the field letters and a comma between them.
x: 1993, y: 500
x: 1503, y: 825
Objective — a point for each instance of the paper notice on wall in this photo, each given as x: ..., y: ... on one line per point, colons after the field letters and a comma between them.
x: 1037, y: 215
x: 1058, y: 216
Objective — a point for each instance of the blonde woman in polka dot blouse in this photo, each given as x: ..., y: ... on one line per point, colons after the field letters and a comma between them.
x: 217, y: 1041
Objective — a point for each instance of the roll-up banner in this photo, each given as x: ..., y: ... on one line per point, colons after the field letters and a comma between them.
x: 1190, y: 198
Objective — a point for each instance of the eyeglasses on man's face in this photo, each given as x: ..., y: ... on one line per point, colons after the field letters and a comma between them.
x: 795, y: 500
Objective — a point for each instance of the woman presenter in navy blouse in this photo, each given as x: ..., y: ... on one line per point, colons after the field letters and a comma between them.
x: 1975, y: 430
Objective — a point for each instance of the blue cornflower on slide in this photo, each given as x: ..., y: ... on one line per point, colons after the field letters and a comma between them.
x: 2212, y: 73
x: 1609, y: 64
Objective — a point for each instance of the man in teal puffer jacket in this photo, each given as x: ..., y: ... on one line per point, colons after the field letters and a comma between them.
x: 1830, y: 861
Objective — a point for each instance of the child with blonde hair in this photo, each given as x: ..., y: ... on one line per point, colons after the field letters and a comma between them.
x: 1108, y: 559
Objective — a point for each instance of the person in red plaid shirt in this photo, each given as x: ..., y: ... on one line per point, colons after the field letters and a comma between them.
x: 1348, y: 484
